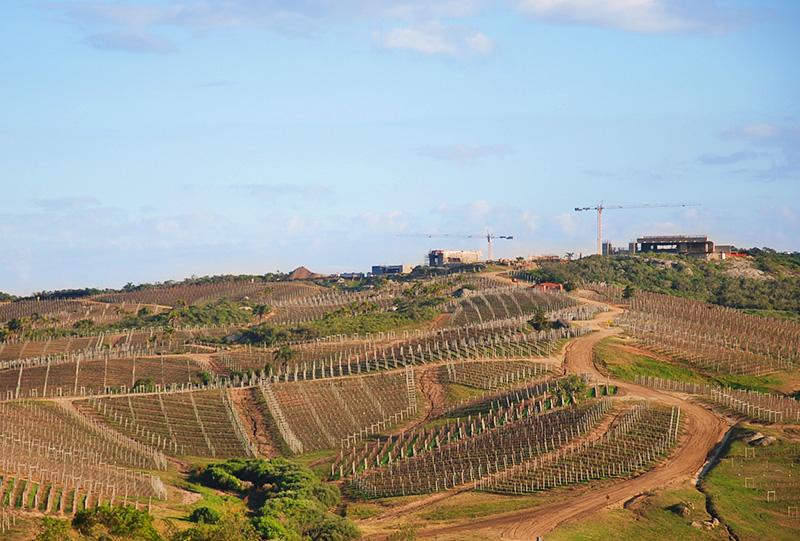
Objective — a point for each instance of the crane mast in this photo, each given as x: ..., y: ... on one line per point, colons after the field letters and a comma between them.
x: 599, y: 208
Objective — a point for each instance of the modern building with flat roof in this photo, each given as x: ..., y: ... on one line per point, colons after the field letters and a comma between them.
x: 696, y: 245
x: 442, y: 258
x: 377, y: 270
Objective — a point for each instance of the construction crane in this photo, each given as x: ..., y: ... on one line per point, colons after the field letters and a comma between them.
x: 599, y: 208
x: 489, y: 238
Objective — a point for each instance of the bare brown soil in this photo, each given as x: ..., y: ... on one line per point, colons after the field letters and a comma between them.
x: 253, y: 417
x: 434, y: 392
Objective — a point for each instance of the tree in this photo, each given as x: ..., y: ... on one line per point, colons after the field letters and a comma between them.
x: 569, y: 255
x: 17, y: 324
x: 539, y: 321
x: 628, y: 292
x: 283, y: 355
x: 261, y: 310
x: 574, y: 387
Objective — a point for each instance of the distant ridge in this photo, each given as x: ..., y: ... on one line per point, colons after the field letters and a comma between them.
x: 302, y: 273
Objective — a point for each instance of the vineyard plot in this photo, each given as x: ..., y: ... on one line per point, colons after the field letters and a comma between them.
x: 195, y: 423
x: 491, y: 373
x: 502, y: 303
x: 331, y: 413
x: 466, y: 460
x: 49, y: 451
x: 59, y: 377
x: 639, y: 437
x: 712, y: 337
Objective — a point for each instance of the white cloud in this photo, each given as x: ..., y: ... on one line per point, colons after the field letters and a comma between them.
x: 299, y: 225
x: 479, y: 215
x: 769, y: 134
x: 123, y: 25
x: 638, y: 16
x: 566, y: 223
x: 77, y: 202
x: 786, y: 141
x: 434, y: 38
x: 393, y: 221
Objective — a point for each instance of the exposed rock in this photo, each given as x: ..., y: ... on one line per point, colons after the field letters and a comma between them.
x: 744, y: 268
x: 752, y: 437
x: 682, y: 509
x: 764, y: 442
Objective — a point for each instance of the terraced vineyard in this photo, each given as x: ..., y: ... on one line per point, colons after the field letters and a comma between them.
x: 450, y: 463
x: 194, y: 423
x: 713, y: 337
x: 55, y: 460
x: 637, y: 437
x: 60, y: 377
x: 342, y: 411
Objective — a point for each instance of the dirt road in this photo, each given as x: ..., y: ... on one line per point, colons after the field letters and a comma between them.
x: 703, y: 431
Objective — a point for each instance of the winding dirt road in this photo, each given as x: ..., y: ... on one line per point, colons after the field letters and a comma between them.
x: 703, y: 431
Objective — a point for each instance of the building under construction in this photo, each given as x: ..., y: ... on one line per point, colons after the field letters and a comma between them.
x: 444, y: 258
x: 695, y: 245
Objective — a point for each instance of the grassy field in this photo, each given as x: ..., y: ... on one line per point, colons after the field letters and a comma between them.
x: 738, y: 484
x: 664, y: 515
x: 616, y: 358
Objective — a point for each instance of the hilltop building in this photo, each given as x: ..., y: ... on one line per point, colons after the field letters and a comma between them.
x: 691, y: 245
x: 378, y: 270
x: 694, y: 245
x: 443, y: 258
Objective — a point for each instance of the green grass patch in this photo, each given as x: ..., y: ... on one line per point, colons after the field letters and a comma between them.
x: 318, y: 461
x: 737, y: 486
x: 31, y: 496
x: 456, y: 392
x: 649, y: 516
x: 358, y: 511
x: 621, y: 363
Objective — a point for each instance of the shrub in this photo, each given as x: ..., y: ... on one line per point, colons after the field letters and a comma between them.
x: 204, y: 515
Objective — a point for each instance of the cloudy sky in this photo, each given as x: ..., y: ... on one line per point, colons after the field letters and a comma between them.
x: 148, y: 140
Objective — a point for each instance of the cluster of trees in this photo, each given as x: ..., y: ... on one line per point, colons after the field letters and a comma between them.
x: 128, y: 523
x: 355, y: 318
x: 708, y: 281
x: 288, y: 500
x: 217, y: 314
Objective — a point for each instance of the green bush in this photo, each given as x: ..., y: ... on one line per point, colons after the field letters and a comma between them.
x: 216, y: 476
x: 126, y: 521
x: 204, y: 515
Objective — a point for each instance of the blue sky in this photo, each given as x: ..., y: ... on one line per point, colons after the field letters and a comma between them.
x: 148, y: 140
